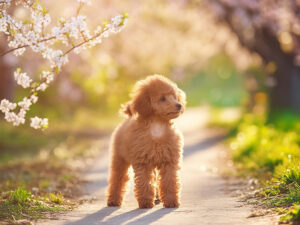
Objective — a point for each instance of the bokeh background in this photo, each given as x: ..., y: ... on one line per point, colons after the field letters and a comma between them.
x: 237, y: 54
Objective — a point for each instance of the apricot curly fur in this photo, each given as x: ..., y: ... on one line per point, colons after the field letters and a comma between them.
x: 148, y: 141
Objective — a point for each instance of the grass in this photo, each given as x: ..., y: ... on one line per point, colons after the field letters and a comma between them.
x: 19, y: 196
x: 55, y: 198
x: 268, y: 148
x: 20, y: 204
x: 37, y: 190
x: 40, y: 171
x: 292, y: 215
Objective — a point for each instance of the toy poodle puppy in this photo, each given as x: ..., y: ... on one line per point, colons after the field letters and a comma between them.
x: 149, y: 142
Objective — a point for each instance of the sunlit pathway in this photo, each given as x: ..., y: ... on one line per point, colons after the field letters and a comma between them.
x: 204, y: 196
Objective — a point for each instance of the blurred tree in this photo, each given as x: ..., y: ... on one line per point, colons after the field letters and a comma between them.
x: 270, y: 28
x: 6, y: 79
x: 178, y: 47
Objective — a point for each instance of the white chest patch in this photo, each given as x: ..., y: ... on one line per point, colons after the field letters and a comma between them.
x: 157, y: 129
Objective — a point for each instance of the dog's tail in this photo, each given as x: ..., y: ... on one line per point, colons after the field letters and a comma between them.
x: 125, y: 109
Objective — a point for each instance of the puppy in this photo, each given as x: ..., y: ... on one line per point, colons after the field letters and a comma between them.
x: 148, y: 141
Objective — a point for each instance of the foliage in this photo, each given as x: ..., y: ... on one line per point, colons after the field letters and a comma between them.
x: 269, y: 149
x: 224, y: 117
x: 218, y: 84
x: 263, y: 147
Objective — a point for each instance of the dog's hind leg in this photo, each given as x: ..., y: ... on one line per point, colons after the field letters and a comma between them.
x: 117, y: 181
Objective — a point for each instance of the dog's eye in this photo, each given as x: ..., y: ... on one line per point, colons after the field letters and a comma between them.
x: 162, y: 99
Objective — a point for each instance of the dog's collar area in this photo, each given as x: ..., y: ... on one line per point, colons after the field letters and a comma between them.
x: 157, y: 129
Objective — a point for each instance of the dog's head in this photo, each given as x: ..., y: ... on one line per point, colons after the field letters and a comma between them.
x: 157, y: 96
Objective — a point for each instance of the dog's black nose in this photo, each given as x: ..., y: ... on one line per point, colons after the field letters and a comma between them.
x: 178, y: 106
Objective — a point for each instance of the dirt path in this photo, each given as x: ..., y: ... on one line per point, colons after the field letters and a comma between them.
x: 204, y: 196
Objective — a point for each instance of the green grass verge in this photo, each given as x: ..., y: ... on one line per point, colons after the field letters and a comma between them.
x: 269, y: 149
x: 292, y: 215
x: 40, y: 170
x: 21, y: 204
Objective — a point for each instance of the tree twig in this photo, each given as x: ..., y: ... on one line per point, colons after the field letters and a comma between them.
x: 25, y: 46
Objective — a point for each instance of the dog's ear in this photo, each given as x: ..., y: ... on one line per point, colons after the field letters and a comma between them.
x: 141, y: 104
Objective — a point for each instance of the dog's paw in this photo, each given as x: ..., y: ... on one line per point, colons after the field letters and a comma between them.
x: 171, y: 204
x: 145, y: 204
x: 112, y: 202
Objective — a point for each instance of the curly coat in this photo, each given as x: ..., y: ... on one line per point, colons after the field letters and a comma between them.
x: 148, y: 141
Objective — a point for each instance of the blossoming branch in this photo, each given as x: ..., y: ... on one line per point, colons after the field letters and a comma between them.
x: 36, y: 34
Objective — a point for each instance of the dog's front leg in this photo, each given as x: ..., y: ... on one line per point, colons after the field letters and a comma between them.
x: 169, y: 186
x: 144, y: 185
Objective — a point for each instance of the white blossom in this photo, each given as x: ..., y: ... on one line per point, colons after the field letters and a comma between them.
x: 117, y: 24
x: 47, y: 53
x: 25, y: 103
x: 73, y: 32
x: 21, y: 116
x: 6, y: 106
x: 42, y: 87
x: 35, y: 122
x: 56, y: 31
x: 38, y: 123
x: 98, y: 30
x: 22, y: 79
x: 19, y: 51
x: 3, y: 24
x: 12, y: 117
x: 22, y: 113
x: 117, y: 20
x: 88, y: 2
x: 74, y: 27
x: 15, y: 119
x: 40, y: 20
x: 48, y: 76
x: 58, y: 59
x: 34, y: 99
x: 44, y: 122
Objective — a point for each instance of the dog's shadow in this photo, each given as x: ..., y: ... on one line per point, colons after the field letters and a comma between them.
x: 99, y: 216
x: 152, y: 217
x: 95, y: 218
